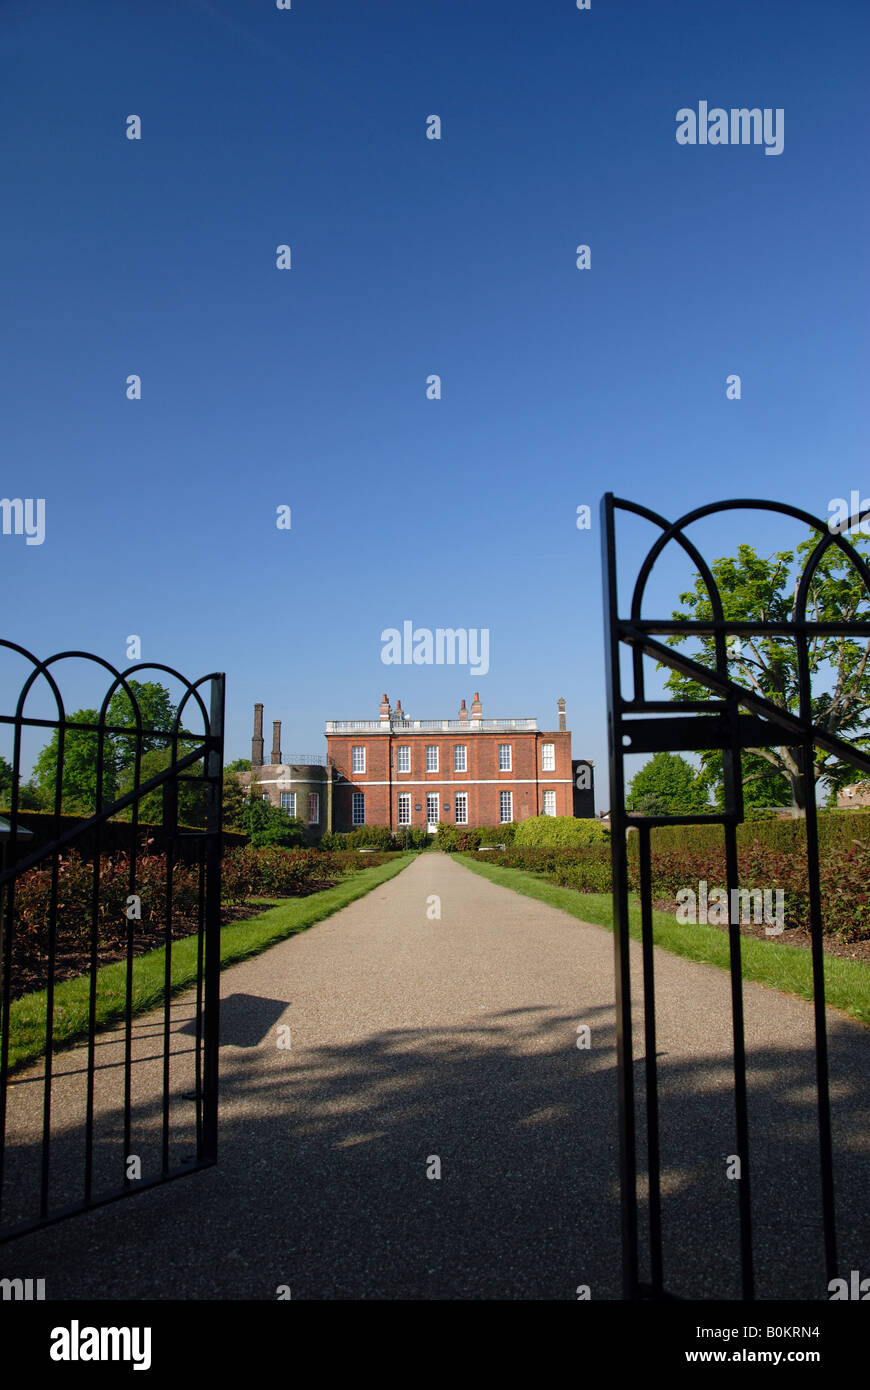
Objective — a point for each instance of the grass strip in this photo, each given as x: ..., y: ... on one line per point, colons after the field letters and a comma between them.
x: 770, y: 962
x: 239, y: 941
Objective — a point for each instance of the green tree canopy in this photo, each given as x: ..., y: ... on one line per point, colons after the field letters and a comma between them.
x: 119, y: 750
x: 757, y: 589
x: 666, y: 785
x: 269, y: 825
x: 234, y: 801
x: 79, y: 780
x: 157, y: 712
x: 192, y: 790
x: 763, y: 785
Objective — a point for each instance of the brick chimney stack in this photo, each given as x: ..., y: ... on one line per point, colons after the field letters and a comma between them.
x: 562, y: 725
x: 257, y: 740
x: 463, y: 713
x: 476, y: 708
x: 400, y: 713
x: 276, y: 742
x: 385, y: 710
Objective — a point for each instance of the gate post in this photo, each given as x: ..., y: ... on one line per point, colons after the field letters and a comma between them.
x: 211, y: 984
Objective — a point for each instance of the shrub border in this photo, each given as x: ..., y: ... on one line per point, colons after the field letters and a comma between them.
x: 239, y: 941
x: 787, y: 969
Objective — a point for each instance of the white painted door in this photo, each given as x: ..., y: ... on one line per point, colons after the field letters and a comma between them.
x: 432, y: 812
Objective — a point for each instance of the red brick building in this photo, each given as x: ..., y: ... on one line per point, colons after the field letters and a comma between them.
x: 396, y: 771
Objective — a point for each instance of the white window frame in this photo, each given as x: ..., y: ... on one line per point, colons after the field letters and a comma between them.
x: 290, y: 804
x: 404, y: 805
x: 358, y: 763
x: 505, y: 799
x: 431, y: 748
x: 505, y: 750
x: 460, y: 808
x: 406, y: 749
x: 548, y: 757
x: 548, y: 798
x: 315, y: 798
x: 356, y: 799
x: 460, y: 757
x: 436, y: 798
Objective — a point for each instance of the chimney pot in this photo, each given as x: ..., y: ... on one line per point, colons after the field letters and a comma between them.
x: 257, y: 740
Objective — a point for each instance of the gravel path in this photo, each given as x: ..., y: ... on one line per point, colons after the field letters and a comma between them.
x: 416, y: 1039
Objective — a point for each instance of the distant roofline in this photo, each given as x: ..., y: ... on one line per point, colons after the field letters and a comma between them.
x: 525, y: 724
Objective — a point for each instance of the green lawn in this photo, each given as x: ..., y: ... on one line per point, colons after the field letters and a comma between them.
x: 769, y: 962
x: 239, y: 940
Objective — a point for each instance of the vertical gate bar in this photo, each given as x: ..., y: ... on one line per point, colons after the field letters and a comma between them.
x: 48, y: 1070
x: 823, y: 1095
x: 826, y: 1161
x: 212, y: 984
x: 128, y: 981
x: 200, y: 958
x: 8, y: 909
x: 739, y: 1055
x: 7, y: 930
x: 624, y: 1041
x: 167, y: 997
x: 92, y: 990
x: 652, y: 1095
x: 128, y: 1039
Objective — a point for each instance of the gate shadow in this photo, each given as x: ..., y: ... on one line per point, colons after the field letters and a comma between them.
x: 322, y: 1178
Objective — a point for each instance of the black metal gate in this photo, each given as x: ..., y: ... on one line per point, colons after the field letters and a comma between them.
x: 103, y: 916
x: 637, y: 724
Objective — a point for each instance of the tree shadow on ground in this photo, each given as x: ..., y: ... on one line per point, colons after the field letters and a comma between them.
x: 325, y: 1154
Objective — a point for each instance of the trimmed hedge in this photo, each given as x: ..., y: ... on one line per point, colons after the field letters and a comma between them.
x: 465, y: 839
x: 74, y: 896
x: 247, y: 872
x: 839, y: 828
x: 559, y: 830
x: 375, y: 837
x: 844, y: 871
x: 116, y: 836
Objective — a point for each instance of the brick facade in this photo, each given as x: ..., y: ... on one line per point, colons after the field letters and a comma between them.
x: 539, y: 777
x: 380, y: 771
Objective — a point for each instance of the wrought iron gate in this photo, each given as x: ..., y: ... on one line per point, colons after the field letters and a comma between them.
x: 78, y: 1129
x: 637, y: 724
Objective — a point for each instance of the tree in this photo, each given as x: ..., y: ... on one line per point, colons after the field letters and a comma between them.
x: 29, y: 796
x: 269, y: 825
x: 79, y: 779
x: 763, y: 785
x: 240, y: 765
x: 192, y: 793
x: 755, y: 589
x: 119, y: 750
x: 234, y: 801
x: 667, y: 785
x: 157, y: 712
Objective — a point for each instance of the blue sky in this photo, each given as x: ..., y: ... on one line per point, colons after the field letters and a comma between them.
x: 411, y: 256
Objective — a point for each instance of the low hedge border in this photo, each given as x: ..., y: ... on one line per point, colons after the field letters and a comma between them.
x: 239, y: 941
x: 767, y: 962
